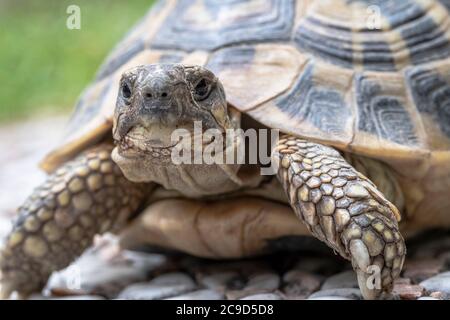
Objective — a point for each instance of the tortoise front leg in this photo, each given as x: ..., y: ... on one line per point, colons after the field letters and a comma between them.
x: 344, y: 209
x: 86, y: 196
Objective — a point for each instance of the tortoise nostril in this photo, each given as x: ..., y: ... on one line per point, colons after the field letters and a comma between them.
x: 150, y: 95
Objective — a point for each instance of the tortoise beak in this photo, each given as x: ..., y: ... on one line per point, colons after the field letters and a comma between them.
x: 121, y: 126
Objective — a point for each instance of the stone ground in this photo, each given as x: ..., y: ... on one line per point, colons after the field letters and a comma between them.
x: 101, y: 273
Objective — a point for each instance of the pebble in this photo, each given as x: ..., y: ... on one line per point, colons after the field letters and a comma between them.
x: 346, y: 279
x: 408, y: 291
x: 163, y: 286
x: 259, y: 283
x: 204, y: 294
x: 402, y: 281
x: 349, y: 293
x: 438, y: 295
x: 427, y: 298
x: 263, y: 296
x: 218, y: 280
x: 300, y: 284
x: 94, y: 274
x: 265, y: 281
x: 440, y: 282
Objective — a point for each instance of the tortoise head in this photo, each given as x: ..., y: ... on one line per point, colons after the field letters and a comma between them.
x: 156, y: 103
x: 170, y: 95
x: 154, y: 100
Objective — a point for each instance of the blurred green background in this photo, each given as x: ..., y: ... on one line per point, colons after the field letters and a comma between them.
x: 43, y: 65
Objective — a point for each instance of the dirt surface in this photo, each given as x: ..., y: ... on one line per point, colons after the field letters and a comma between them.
x: 23, y: 145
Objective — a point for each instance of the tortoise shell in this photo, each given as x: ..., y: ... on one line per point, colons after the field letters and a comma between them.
x: 370, y: 77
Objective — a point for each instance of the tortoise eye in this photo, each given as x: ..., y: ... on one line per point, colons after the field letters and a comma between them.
x: 202, y: 90
x: 126, y: 91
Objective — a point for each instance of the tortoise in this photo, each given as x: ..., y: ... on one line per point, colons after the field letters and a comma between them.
x: 358, y: 89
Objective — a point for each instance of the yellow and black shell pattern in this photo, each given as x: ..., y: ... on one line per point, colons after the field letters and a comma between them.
x: 365, y: 76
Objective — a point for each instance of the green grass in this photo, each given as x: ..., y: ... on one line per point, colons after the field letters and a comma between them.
x: 45, y: 66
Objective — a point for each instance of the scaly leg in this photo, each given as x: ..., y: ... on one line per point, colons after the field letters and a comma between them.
x: 344, y: 209
x: 86, y: 196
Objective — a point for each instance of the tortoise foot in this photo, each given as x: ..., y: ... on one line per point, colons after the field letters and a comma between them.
x: 344, y: 209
